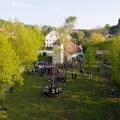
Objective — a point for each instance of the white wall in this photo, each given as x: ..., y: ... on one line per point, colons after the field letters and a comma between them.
x: 51, y: 38
x: 58, y: 58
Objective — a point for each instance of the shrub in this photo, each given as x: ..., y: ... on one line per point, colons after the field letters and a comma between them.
x: 44, y: 53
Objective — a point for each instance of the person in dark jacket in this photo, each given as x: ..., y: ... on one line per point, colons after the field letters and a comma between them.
x: 75, y: 75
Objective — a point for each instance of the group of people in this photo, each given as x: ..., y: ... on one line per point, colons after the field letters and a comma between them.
x: 60, y: 78
x: 74, y: 75
x: 51, y: 91
x: 82, y: 71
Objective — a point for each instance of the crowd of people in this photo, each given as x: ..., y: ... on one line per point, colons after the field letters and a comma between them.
x: 44, y: 68
x: 51, y: 90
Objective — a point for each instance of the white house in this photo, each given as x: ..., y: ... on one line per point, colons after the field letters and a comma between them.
x: 54, y: 40
x: 51, y: 38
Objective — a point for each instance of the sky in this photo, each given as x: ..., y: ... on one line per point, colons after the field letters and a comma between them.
x: 90, y: 14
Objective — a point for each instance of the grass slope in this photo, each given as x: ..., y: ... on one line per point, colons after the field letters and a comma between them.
x: 77, y: 101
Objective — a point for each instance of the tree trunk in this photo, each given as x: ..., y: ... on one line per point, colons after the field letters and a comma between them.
x: 65, y: 67
x: 2, y: 103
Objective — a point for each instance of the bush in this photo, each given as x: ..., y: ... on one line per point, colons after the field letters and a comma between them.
x: 44, y: 53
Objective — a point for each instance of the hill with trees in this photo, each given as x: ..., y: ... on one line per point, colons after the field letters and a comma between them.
x: 115, y: 30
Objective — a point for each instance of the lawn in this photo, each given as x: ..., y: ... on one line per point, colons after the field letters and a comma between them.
x: 77, y: 101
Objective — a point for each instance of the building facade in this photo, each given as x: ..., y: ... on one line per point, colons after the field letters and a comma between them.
x: 51, y: 38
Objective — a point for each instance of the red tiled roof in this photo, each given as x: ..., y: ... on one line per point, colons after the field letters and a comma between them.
x: 72, y: 48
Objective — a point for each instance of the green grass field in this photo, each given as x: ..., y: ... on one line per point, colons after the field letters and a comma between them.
x: 77, y: 101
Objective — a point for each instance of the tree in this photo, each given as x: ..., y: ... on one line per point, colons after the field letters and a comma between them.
x: 70, y: 23
x: 9, y: 66
x: 103, y: 45
x: 8, y: 28
x: 107, y: 26
x: 89, y: 56
x: 114, y: 57
x: 96, y: 38
x: 46, y: 29
x: 40, y: 39
x: 65, y: 35
x: 26, y: 41
x: 79, y: 36
x: 68, y: 28
x: 1, y: 22
x: 115, y: 30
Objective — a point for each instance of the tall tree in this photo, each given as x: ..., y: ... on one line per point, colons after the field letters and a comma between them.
x: 70, y: 23
x: 114, y: 57
x: 9, y: 66
x: 65, y: 35
x: 26, y: 41
x: 66, y: 32
x: 89, y: 56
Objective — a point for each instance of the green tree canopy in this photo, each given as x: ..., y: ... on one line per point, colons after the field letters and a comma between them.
x: 26, y: 41
x: 9, y: 63
x: 89, y: 56
x: 114, y: 58
x: 65, y: 32
x: 9, y: 66
x: 97, y: 38
x: 46, y: 29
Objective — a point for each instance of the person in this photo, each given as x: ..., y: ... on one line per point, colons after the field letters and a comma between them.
x: 44, y: 74
x: 53, y: 92
x: 75, y: 75
x: 98, y: 68
x: 112, y: 92
x: 94, y: 91
x: 50, y: 88
x: 58, y: 77
x: 72, y: 70
x: 56, y: 91
x: 11, y: 89
x: 80, y: 71
x: 60, y: 89
x: 47, y: 87
x: 105, y: 74
x: 88, y: 74
x: 83, y: 71
x: 44, y: 91
x: 91, y: 74
x: 72, y: 75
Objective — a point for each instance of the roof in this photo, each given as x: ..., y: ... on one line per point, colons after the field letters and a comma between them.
x: 53, y: 33
x: 72, y: 49
x: 101, y: 52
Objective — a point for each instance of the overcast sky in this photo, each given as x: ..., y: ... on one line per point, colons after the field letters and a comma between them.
x: 90, y: 13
